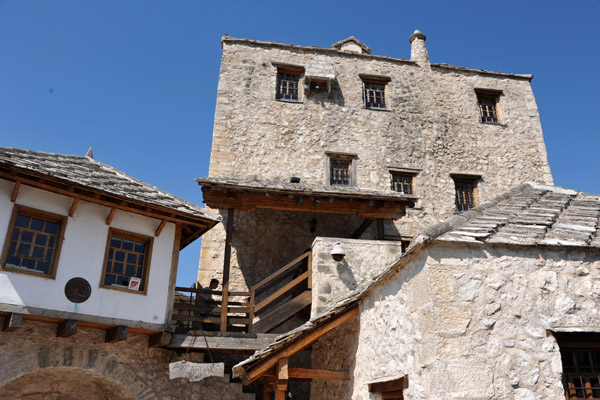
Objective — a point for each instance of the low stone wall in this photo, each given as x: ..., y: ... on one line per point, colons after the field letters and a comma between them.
x: 334, y: 281
x: 38, y: 365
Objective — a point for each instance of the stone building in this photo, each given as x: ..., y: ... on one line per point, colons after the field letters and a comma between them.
x: 312, y: 141
x: 501, y: 302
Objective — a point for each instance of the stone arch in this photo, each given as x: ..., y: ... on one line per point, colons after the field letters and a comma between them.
x: 64, y: 383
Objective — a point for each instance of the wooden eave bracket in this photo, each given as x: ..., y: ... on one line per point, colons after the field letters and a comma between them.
x: 160, y: 227
x: 15, y: 192
x: 73, y: 206
x: 111, y: 215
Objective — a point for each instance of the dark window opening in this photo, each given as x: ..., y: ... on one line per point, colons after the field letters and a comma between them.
x: 580, y: 355
x: 127, y: 260
x: 466, y: 193
x: 288, y: 81
x: 341, y: 173
x: 488, y: 107
x: 402, y: 183
x: 374, y: 94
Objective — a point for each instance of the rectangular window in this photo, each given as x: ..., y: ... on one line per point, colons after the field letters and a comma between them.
x: 466, y: 192
x: 288, y: 83
x: 390, y: 390
x: 402, y: 182
x: 127, y: 261
x: 33, y: 242
x: 580, y: 355
x: 374, y: 93
x: 341, y: 171
x: 488, y: 106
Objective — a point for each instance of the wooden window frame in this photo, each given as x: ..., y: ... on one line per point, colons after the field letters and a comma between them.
x: 61, y: 220
x: 468, y: 179
x: 291, y: 71
x: 403, y: 173
x: 149, y: 241
x: 392, y: 390
x: 351, y: 159
x: 492, y: 96
x: 375, y: 80
x: 582, y: 342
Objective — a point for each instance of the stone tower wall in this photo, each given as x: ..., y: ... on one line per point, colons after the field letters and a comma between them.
x: 432, y: 124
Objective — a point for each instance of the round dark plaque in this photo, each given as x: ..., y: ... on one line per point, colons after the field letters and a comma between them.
x: 78, y: 290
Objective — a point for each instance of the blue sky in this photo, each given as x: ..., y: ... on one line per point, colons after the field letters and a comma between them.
x: 137, y: 79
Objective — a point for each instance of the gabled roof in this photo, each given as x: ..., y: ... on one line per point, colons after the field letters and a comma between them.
x: 527, y: 215
x: 338, y: 45
x: 72, y: 175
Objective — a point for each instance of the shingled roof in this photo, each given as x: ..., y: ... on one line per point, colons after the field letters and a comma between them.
x: 82, y: 172
x: 528, y: 215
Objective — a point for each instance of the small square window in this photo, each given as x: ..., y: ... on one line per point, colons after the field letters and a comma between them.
x: 488, y: 106
x: 127, y: 256
x: 374, y: 93
x: 340, y: 171
x: 465, y: 192
x: 402, y: 182
x: 33, y: 242
x: 288, y: 84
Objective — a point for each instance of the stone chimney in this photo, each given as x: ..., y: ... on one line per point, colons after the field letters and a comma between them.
x: 418, y: 51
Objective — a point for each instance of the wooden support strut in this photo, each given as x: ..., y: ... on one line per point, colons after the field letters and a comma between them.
x: 160, y: 228
x: 73, y: 206
x: 111, y: 215
x: 226, y: 269
x: 281, y: 380
x: 116, y: 334
x: 12, y: 322
x: 15, y: 192
x: 362, y: 228
x: 66, y: 328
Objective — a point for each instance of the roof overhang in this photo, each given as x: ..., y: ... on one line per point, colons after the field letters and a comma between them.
x: 248, y: 196
x: 192, y: 226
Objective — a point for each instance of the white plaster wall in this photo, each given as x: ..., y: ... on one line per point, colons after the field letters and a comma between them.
x: 82, y: 255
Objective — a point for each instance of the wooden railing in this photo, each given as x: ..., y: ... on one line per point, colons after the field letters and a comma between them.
x: 201, y: 309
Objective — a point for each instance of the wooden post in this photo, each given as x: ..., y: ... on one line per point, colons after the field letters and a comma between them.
x: 116, y: 334
x: 66, y: 328
x: 173, y: 276
x: 12, y: 322
x: 226, y: 268
x: 281, y: 379
x: 380, y: 230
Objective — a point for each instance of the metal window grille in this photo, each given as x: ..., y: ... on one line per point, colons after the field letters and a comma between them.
x: 374, y: 95
x: 402, y: 183
x: 581, y: 374
x: 126, y: 259
x: 32, y: 243
x: 340, y: 171
x: 488, y: 108
x: 287, y: 85
x: 465, y: 194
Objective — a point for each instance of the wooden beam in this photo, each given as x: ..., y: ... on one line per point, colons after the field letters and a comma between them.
x: 364, y: 207
x: 15, y: 192
x: 173, y: 274
x: 111, y: 215
x: 306, y: 374
x: 303, y: 342
x: 66, y: 328
x: 160, y: 339
x: 116, y: 334
x: 160, y: 227
x: 362, y: 228
x: 73, y: 206
x: 12, y: 322
x: 226, y: 269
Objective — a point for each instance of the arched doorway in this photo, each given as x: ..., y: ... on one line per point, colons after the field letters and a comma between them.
x: 64, y: 383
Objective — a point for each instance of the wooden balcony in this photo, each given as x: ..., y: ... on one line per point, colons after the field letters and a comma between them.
x: 264, y: 307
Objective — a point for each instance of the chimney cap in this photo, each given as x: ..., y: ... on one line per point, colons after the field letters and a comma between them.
x: 417, y: 34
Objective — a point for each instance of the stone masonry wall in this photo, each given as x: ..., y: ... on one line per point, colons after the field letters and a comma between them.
x: 432, y: 125
x: 471, y: 323
x: 334, y: 281
x: 142, y: 371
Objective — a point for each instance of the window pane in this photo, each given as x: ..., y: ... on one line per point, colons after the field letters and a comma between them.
x: 37, y: 224
x: 122, y: 280
x: 127, y: 244
x: 24, y: 249
x: 120, y: 256
x: 117, y: 268
x: 109, y: 279
x: 51, y: 227
x: 28, y: 263
x: 130, y: 270
x: 115, y: 242
x: 13, y: 261
x: 43, y: 266
x: 26, y: 236
x: 140, y: 247
x: 23, y: 221
x: 131, y: 258
x: 49, y: 254
x: 41, y: 239
x: 15, y: 235
x: 38, y: 252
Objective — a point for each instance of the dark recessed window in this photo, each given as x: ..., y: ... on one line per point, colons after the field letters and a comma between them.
x: 33, y: 242
x: 466, y: 193
x: 488, y: 106
x: 341, y: 171
x: 402, y: 182
x: 374, y: 93
x: 580, y: 355
x: 288, y: 83
x: 127, y: 260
